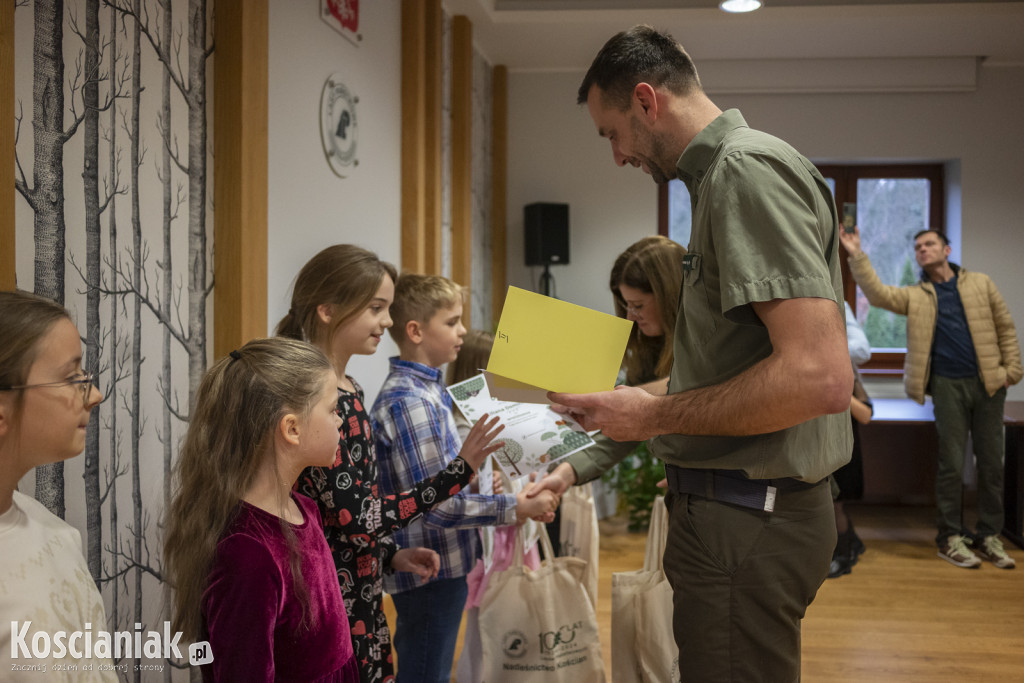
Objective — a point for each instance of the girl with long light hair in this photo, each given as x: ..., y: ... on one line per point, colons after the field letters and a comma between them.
x: 247, y: 557
x: 645, y: 281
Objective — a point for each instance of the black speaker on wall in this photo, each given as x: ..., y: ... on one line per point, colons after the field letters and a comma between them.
x: 546, y: 233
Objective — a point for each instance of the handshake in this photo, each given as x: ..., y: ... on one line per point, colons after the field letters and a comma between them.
x: 546, y: 492
x: 537, y: 501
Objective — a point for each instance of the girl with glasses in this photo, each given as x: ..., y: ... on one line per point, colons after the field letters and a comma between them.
x: 45, y: 402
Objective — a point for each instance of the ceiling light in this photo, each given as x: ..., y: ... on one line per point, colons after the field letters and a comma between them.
x: 738, y: 6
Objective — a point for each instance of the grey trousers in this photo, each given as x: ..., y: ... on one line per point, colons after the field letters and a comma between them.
x: 742, y: 580
x: 962, y: 406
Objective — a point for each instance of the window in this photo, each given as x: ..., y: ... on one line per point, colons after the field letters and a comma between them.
x: 674, y: 211
x: 894, y: 202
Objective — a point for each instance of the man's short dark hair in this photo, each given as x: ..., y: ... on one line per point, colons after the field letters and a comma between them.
x: 640, y: 54
x: 941, y: 235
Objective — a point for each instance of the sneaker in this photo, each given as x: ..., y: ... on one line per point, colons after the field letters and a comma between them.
x: 955, y: 551
x: 991, y: 549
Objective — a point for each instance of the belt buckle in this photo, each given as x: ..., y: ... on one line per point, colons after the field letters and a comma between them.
x: 769, y: 499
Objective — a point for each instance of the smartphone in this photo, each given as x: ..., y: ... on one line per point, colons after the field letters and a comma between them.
x: 849, y: 216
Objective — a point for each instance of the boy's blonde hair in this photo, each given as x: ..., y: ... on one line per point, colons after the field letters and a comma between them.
x: 419, y: 297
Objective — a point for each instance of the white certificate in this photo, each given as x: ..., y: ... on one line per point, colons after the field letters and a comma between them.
x: 535, y: 436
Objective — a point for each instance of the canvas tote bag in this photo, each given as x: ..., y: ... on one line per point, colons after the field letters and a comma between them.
x: 580, y: 536
x: 655, y: 644
x: 539, y: 626
x: 643, y: 648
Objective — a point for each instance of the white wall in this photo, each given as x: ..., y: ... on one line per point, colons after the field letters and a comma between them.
x: 556, y: 155
x: 309, y: 207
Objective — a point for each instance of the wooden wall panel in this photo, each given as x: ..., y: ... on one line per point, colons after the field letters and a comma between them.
x: 462, y: 153
x: 432, y: 167
x: 413, y: 133
x: 421, y: 135
x: 240, y: 173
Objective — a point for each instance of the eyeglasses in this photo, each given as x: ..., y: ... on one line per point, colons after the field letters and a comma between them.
x: 630, y: 308
x: 85, y: 383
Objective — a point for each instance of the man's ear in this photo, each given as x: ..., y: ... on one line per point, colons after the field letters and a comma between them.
x: 289, y: 428
x: 645, y: 95
x: 324, y: 312
x: 5, y: 417
x: 414, y: 331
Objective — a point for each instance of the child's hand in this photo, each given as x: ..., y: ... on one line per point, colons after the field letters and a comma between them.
x: 423, y: 562
x: 540, y: 507
x: 480, y: 442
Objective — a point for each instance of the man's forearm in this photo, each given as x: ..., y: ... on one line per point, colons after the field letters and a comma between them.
x: 774, y: 394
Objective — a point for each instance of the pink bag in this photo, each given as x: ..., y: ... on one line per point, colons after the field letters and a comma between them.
x: 504, y: 553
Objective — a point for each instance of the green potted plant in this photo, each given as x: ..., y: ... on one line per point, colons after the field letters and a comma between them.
x: 635, y: 480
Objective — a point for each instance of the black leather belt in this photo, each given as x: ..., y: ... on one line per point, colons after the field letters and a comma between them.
x: 731, y: 486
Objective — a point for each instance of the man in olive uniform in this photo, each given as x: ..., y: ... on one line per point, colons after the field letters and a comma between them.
x: 756, y: 415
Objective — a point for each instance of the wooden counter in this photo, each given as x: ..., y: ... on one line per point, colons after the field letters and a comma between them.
x: 899, y: 447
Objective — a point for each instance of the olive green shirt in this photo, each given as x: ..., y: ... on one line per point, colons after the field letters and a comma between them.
x: 592, y: 462
x: 764, y: 227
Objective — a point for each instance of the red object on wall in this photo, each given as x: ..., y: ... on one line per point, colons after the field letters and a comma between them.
x: 342, y: 16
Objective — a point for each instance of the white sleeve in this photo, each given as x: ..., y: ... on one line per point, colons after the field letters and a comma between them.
x: 856, y: 340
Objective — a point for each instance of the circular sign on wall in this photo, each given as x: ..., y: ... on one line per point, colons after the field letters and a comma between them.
x: 338, y: 127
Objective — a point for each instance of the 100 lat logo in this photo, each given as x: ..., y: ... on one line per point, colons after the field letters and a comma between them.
x: 551, y: 640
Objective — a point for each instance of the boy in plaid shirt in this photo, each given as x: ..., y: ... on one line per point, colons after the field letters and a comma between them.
x: 416, y: 437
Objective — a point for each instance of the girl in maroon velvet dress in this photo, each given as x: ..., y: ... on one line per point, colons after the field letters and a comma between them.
x: 340, y: 303
x: 247, y: 557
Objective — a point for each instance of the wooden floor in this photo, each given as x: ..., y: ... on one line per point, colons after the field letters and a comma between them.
x: 903, y: 615
x: 906, y: 615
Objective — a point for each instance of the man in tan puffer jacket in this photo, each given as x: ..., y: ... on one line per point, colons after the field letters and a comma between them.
x: 962, y: 349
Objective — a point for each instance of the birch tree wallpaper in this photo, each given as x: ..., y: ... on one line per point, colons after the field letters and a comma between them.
x: 114, y: 220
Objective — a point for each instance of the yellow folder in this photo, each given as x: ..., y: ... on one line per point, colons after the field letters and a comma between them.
x: 553, y: 345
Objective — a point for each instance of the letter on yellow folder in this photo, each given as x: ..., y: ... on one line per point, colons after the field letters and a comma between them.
x: 556, y: 345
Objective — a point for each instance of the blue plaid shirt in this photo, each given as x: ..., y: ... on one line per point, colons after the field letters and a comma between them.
x: 416, y: 437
